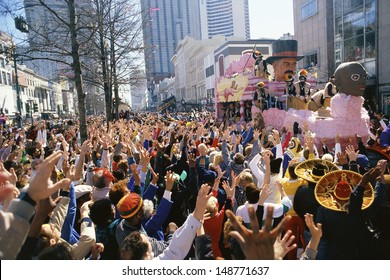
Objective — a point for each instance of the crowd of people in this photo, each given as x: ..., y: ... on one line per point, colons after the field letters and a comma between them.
x: 188, y: 186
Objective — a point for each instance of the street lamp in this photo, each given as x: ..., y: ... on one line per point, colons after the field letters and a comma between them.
x: 18, y: 100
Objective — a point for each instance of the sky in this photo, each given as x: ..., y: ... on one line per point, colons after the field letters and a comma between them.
x: 270, y: 18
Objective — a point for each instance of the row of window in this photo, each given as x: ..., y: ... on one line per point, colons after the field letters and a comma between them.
x: 308, y: 9
x: 2, y: 62
x: 5, y: 78
x: 345, y: 6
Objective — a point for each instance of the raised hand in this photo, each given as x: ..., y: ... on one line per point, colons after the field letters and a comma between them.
x: 265, y: 192
x: 40, y: 185
x: 342, y: 158
x: 234, y: 178
x: 201, y: 201
x: 370, y: 176
x: 7, y: 176
x: 283, y: 245
x: 170, y: 180
x: 137, y: 178
x: 350, y: 151
x: 257, y: 244
x: 96, y: 250
x: 276, y: 136
x: 267, y: 157
x: 315, y: 229
x: 155, y: 176
x: 229, y: 190
x: 191, y: 160
x: 85, y: 147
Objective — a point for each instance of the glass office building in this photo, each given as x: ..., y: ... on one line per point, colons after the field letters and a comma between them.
x: 355, y: 33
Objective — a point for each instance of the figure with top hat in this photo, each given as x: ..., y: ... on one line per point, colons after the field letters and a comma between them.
x: 260, y: 67
x: 284, y: 58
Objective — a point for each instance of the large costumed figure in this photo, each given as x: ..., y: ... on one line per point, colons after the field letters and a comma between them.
x: 284, y: 61
x: 284, y: 58
x: 347, y: 116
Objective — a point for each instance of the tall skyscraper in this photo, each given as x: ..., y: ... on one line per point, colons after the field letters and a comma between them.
x: 165, y: 23
x: 229, y: 18
x: 44, y: 28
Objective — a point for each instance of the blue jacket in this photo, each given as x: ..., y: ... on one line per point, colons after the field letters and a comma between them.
x: 153, y: 226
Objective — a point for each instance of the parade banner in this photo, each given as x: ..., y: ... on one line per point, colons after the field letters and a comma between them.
x: 232, y: 89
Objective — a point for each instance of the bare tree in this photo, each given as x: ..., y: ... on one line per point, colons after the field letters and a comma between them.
x: 98, y: 43
x: 119, y: 40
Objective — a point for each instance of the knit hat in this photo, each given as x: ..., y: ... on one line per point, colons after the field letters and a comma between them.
x: 129, y: 205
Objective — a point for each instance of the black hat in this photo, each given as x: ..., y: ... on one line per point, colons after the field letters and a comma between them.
x: 284, y: 49
x: 313, y: 170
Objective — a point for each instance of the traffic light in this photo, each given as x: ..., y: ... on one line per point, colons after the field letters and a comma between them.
x: 27, y: 108
x: 35, y: 108
x: 21, y: 24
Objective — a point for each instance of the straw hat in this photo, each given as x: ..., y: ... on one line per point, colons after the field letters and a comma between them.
x: 313, y: 170
x: 334, y: 189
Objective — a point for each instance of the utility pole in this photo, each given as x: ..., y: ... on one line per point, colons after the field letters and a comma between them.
x: 11, y: 54
x: 22, y: 26
x: 18, y: 100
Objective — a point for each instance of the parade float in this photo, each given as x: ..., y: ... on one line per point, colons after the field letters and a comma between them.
x: 341, y: 114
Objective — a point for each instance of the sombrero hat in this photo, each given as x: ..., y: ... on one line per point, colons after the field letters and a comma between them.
x: 334, y: 189
x: 313, y: 170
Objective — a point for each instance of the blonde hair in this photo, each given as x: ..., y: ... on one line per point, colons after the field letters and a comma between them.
x: 327, y: 157
x: 218, y: 159
x: 245, y: 177
x: 148, y: 208
x: 248, y: 149
x: 202, y: 146
x: 211, y: 204
x: 212, y: 155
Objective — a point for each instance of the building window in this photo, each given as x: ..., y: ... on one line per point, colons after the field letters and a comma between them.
x: 338, y: 56
x: 210, y: 71
x: 310, y: 60
x: 9, y: 78
x: 221, y: 66
x: 353, y: 49
x: 352, y: 4
x: 309, y: 9
x: 370, y: 45
x: 2, y: 62
x: 4, y: 78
